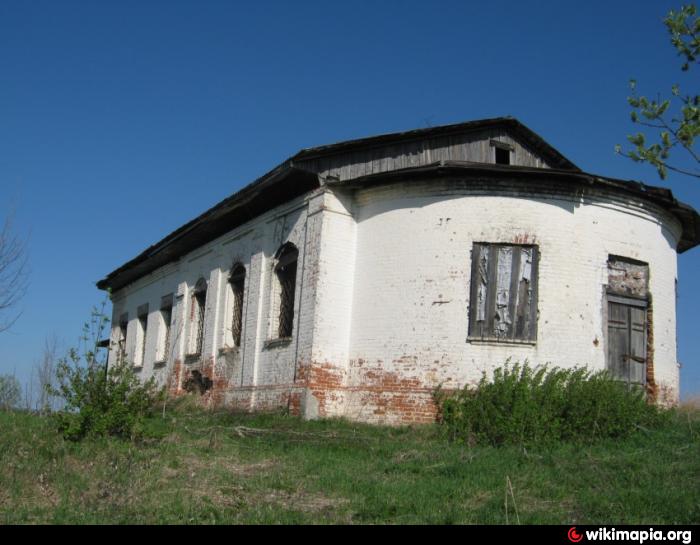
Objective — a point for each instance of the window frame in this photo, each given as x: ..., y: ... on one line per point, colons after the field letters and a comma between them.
x: 198, y: 306
x: 164, y: 334
x: 530, y: 317
x: 630, y: 306
x: 237, y: 286
x: 628, y: 320
x: 286, y: 280
x: 141, y: 335
x: 503, y: 147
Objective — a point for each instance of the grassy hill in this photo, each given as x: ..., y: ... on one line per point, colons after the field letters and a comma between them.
x: 202, y: 467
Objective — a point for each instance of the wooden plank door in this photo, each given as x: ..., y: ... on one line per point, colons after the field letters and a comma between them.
x: 627, y: 342
x: 638, y: 346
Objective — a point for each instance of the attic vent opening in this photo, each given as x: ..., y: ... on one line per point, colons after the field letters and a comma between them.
x: 502, y: 156
x: 502, y: 152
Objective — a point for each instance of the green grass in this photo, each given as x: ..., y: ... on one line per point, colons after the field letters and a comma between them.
x: 198, y: 467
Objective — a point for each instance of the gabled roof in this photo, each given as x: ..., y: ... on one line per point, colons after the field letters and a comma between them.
x: 510, y: 124
x: 287, y: 181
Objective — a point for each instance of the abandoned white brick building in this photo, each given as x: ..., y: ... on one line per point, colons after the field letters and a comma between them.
x: 354, y: 278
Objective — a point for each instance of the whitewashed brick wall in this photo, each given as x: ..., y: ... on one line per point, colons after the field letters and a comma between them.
x: 413, y: 267
x: 382, y: 296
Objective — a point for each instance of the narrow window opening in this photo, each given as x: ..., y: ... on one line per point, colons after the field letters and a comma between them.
x: 166, y: 315
x: 197, y: 309
x: 286, y: 271
x: 143, y: 331
x: 237, y: 282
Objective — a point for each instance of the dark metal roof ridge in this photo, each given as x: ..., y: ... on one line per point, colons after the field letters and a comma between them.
x: 534, y: 139
x: 686, y: 214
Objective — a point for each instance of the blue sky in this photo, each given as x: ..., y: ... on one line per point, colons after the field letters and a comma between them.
x: 120, y: 121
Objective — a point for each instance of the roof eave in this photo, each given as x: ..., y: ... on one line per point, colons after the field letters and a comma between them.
x: 663, y: 197
x: 275, y: 188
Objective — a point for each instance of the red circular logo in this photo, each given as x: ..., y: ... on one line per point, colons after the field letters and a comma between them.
x: 573, y: 535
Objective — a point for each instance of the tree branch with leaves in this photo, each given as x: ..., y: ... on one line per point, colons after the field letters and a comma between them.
x: 675, y: 120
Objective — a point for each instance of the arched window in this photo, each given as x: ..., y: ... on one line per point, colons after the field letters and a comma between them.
x: 286, y: 272
x: 198, y: 304
x: 237, y: 282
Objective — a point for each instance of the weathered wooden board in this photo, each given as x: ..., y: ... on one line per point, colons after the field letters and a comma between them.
x: 627, y: 342
x: 503, y: 292
x: 474, y: 147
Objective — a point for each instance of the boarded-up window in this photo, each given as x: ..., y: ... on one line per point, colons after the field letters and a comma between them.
x: 503, y: 300
x: 237, y: 282
x: 286, y: 272
x: 628, y: 277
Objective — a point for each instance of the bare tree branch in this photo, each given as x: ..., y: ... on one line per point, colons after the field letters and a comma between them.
x: 14, y: 273
x: 45, y: 372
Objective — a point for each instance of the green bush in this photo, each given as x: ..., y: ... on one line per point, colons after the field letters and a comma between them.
x: 100, y: 401
x: 525, y: 405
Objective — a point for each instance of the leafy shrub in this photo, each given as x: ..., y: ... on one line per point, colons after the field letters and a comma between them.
x: 100, y: 401
x: 526, y: 405
x: 10, y: 392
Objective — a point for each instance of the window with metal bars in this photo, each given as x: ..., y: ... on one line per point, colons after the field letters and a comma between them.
x: 286, y: 272
x: 503, y: 299
x: 197, y: 309
x: 237, y: 282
